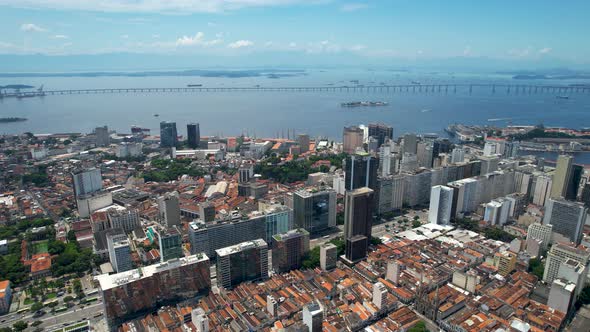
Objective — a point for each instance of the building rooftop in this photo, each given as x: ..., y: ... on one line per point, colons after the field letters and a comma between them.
x: 290, y: 234
x: 114, y: 280
x: 258, y: 243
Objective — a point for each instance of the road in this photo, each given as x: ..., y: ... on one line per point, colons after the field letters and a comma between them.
x: 74, y: 314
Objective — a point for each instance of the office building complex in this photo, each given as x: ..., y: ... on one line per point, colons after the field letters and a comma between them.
x: 193, y: 134
x: 86, y: 181
x: 314, y: 208
x: 441, y: 203
x: 170, y: 243
x: 89, y: 203
x: 288, y: 250
x: 246, y: 261
x: 358, y: 219
x: 124, y: 218
x: 360, y: 170
x: 566, y: 217
x: 133, y: 293
x: 168, y: 134
x: 328, y: 256
x: 562, y: 176
x: 540, y: 232
x: 381, y: 132
x: 559, y: 254
x: 352, y: 139
x: 169, y: 209
x: 119, y: 252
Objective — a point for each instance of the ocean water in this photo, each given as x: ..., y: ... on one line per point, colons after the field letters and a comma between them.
x: 272, y: 114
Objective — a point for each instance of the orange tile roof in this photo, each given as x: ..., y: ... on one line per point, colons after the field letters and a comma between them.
x: 40, y: 262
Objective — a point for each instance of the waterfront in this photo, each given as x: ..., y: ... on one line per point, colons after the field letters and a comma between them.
x: 268, y: 114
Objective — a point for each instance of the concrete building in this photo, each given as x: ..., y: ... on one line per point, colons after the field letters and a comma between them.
x: 246, y: 261
x: 541, y: 186
x: 129, y: 149
x: 379, y: 295
x: 567, y: 218
x: 409, y: 163
x: 89, y: 203
x: 540, y: 232
x: 5, y: 296
x: 102, y: 136
x: 424, y: 154
x: 397, y: 190
x: 328, y: 256
x: 562, y: 176
x: 200, y: 320
x: 193, y: 135
x: 356, y: 249
x: 559, y: 254
x: 288, y: 250
x: 561, y: 295
x: 352, y: 139
x: 206, y: 211
x: 441, y: 203
x: 358, y: 213
x: 385, y: 195
x: 86, y: 181
x: 466, y: 280
x: 168, y: 134
x: 313, y: 316
x: 575, y: 272
x: 497, y: 212
x: 489, y: 164
x: 119, y: 252
x: 170, y: 243
x: 458, y: 155
x: 381, y: 132
x: 169, y: 209
x: 394, y: 270
x: 505, y: 262
x: 314, y: 208
x: 410, y: 143
x: 360, y: 170
x: 129, y: 293
x: 303, y: 140
x: 121, y: 217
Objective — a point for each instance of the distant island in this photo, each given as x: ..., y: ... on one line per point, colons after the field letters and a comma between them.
x: 12, y: 119
x: 551, y: 74
x: 270, y: 73
x: 16, y: 86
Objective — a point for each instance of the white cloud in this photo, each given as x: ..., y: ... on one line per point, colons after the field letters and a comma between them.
x: 154, y: 6
x: 353, y: 7
x: 30, y: 27
x: 60, y: 37
x: 545, y: 50
x: 358, y: 47
x: 240, y: 44
x: 520, y: 53
x: 197, y: 40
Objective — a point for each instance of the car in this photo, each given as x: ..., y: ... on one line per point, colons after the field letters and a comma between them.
x: 38, y: 313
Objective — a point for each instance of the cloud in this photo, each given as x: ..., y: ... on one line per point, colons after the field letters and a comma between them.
x: 124, y: 36
x: 353, y: 7
x: 545, y: 50
x: 30, y: 27
x: 60, y: 37
x: 154, y: 6
x: 240, y: 44
x: 197, y: 40
x: 520, y: 53
x: 358, y: 47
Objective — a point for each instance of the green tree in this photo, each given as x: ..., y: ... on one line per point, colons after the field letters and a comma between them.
x: 419, y: 327
x: 536, y: 267
x: 416, y: 223
x: 20, y: 326
x: 36, y: 306
x: 376, y: 241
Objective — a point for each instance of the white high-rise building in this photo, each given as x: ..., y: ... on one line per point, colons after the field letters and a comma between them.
x: 441, y: 202
x: 458, y: 155
x: 200, y: 320
x: 567, y: 218
x: 497, y: 212
x: 542, y: 189
x: 328, y: 256
x: 86, y: 181
x: 561, y: 295
x: 313, y: 316
x: 119, y: 252
x: 540, y: 232
x: 379, y: 295
x: 559, y: 254
x: 397, y: 191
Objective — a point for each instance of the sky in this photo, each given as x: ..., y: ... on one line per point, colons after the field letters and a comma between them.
x: 368, y: 30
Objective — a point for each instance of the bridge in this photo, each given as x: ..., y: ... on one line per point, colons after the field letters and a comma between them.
x: 559, y: 90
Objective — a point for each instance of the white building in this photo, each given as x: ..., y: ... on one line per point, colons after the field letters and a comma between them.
x: 86, y: 181
x: 567, y: 218
x: 441, y: 202
x: 200, y: 320
x: 497, y: 212
x: 89, y: 203
x: 328, y: 256
x: 119, y: 252
x: 313, y: 316
x: 169, y: 208
x: 379, y: 295
x: 129, y: 149
x: 561, y: 295
x: 457, y: 155
x: 559, y: 254
x: 540, y: 232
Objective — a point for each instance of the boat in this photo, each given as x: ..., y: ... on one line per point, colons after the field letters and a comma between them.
x: 12, y: 119
x: 416, y: 82
x: 156, y: 115
x: 364, y: 103
x: 562, y: 97
x: 194, y: 85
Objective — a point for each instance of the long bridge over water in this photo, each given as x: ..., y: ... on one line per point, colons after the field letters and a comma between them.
x: 559, y: 90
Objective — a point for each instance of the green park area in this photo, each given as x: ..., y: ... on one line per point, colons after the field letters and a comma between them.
x: 39, y: 247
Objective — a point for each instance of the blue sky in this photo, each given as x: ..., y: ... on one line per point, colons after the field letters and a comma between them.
x: 380, y: 29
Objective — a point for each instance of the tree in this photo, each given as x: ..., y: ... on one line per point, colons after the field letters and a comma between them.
x: 416, y: 223
x: 20, y: 326
x: 36, y: 323
x: 376, y: 241
x: 68, y: 298
x: 36, y: 306
x: 419, y: 327
x: 536, y: 267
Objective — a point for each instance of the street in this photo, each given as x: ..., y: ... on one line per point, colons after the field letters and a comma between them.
x: 74, y: 314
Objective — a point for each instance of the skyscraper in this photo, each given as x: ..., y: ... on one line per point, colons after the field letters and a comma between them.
x: 102, y: 136
x: 170, y: 243
x: 360, y: 170
x: 562, y: 176
x: 119, y: 252
x: 193, y: 135
x: 559, y: 254
x: 246, y: 261
x: 441, y: 203
x: 303, y: 140
x: 573, y: 185
x: 169, y: 208
x: 314, y: 209
x: 410, y: 143
x: 567, y: 218
x: 168, y: 134
x: 358, y: 214
x: 86, y: 181
x: 288, y: 250
x: 352, y: 139
x: 328, y: 256
x: 381, y: 132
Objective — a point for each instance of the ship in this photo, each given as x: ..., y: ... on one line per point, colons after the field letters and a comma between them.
x: 194, y: 85
x: 562, y: 97
x: 364, y: 103
x: 12, y: 119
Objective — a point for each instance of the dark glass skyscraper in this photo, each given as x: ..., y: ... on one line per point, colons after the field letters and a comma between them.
x: 168, y: 134
x: 361, y: 171
x: 381, y: 132
x: 194, y: 135
x: 358, y: 222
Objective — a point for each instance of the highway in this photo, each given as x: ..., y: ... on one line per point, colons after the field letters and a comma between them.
x: 50, y: 321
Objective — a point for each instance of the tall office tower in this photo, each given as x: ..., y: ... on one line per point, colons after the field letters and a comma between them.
x: 424, y: 154
x: 119, y: 252
x: 360, y: 170
x: 559, y: 254
x: 397, y: 189
x: 585, y: 197
x: 573, y: 184
x: 385, y: 159
x: 384, y: 195
x: 288, y: 250
x: 193, y: 134
x: 170, y: 243
x: 458, y: 155
x: 409, y: 163
x: 279, y: 219
x: 379, y: 295
x: 441, y: 146
x: 497, y: 212
x: 169, y: 209
x: 313, y: 316
x: 200, y: 320
x: 246, y: 261
x: 540, y: 232
x: 127, y: 294
x: 303, y: 140
x: 441, y: 203
x: 314, y: 209
x: 168, y: 134
x: 381, y: 132
x: 567, y: 218
x: 245, y: 173
x: 352, y: 139
x: 89, y: 203
x: 562, y: 176
x: 124, y: 218
x: 561, y: 295
x: 372, y: 144
x: 102, y: 136
x: 511, y: 149
x: 410, y: 143
x: 86, y: 181
x: 358, y: 215
x: 541, y: 189
x: 489, y: 164
x: 328, y: 256
x: 206, y: 211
